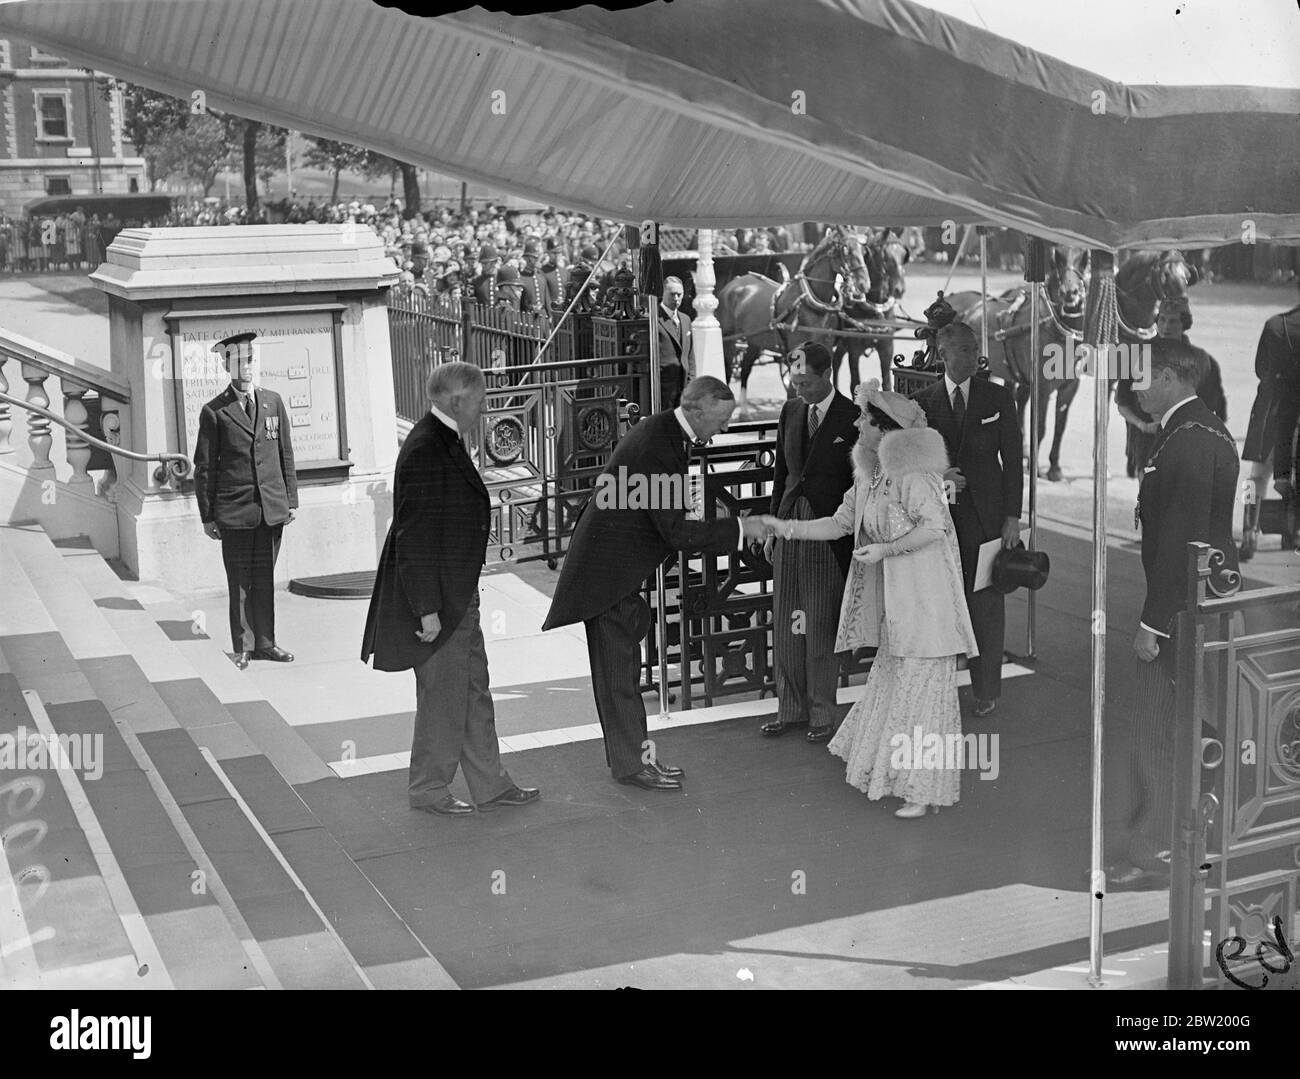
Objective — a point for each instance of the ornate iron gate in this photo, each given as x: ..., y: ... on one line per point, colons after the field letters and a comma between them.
x: 422, y: 331
x: 723, y: 608
x: 1236, y: 856
x: 546, y: 433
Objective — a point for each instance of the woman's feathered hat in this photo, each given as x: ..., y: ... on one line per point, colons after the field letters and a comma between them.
x: 902, y: 410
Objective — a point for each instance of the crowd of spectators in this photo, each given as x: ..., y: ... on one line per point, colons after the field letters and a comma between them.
x: 66, y: 241
x: 442, y: 249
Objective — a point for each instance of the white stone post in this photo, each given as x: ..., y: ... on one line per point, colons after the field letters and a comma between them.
x: 706, y: 333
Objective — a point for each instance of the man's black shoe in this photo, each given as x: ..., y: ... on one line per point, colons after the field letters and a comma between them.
x: 819, y: 734
x: 984, y: 707
x: 275, y: 654
x: 449, y: 806
x: 650, y: 780
x: 515, y: 796
x: 776, y: 728
x: 667, y: 770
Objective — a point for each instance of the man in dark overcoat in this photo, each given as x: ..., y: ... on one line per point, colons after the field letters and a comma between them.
x: 616, y: 546
x: 424, y: 611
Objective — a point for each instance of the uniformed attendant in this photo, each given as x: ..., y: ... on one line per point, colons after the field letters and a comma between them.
x: 484, y: 286
x: 532, y: 280
x: 247, y: 490
x: 552, y: 274
x: 509, y: 293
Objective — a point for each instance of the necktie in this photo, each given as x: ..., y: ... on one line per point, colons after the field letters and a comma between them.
x: 813, y: 422
x: 958, y: 406
x: 248, y: 405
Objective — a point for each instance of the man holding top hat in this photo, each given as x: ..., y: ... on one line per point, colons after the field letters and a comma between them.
x: 247, y: 490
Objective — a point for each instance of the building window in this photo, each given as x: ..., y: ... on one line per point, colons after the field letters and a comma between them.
x: 52, y: 122
x: 58, y: 185
x: 133, y: 185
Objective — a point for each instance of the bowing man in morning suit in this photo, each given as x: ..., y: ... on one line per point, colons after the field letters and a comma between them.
x: 615, y: 547
x: 247, y: 490
x: 424, y: 612
x: 977, y: 419
x: 1187, y: 493
x: 676, y: 349
x: 815, y: 437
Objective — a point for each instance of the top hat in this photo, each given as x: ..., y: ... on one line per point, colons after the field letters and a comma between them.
x: 1019, y: 567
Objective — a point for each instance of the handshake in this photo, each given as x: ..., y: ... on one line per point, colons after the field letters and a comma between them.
x: 760, y: 527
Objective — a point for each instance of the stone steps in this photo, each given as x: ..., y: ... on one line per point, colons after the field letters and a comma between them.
x: 206, y: 793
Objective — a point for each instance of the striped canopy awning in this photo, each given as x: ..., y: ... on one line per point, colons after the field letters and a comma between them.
x: 720, y: 113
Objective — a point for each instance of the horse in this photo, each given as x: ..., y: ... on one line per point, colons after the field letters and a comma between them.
x: 767, y: 313
x: 885, y: 256
x: 1065, y: 288
x: 1141, y: 283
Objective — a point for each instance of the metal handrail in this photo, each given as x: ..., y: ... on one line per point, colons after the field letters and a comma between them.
x: 171, y: 466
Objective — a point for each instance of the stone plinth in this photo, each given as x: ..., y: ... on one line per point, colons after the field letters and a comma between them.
x: 315, y: 295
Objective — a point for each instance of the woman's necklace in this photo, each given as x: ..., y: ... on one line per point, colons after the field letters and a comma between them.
x: 876, y: 476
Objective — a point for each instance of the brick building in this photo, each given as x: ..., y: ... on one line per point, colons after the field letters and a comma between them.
x: 58, y: 134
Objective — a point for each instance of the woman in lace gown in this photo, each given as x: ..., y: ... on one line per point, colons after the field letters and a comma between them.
x: 904, y: 597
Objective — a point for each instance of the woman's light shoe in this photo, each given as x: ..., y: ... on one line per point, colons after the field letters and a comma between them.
x: 914, y: 809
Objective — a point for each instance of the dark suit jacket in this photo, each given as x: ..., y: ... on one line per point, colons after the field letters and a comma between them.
x: 243, y: 476
x: 986, y: 449
x: 675, y: 344
x: 615, y: 550
x: 435, y: 547
x: 821, y: 472
x: 1277, y: 363
x: 1187, y: 495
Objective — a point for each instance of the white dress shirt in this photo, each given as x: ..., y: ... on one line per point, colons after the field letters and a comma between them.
x: 950, y: 385
x: 822, y: 407
x: 1170, y: 411
x: 438, y: 414
x: 690, y: 434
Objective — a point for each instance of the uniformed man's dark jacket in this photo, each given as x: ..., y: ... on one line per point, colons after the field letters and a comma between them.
x: 1187, y: 495
x: 243, y: 468
x: 435, y: 548
x: 484, y: 289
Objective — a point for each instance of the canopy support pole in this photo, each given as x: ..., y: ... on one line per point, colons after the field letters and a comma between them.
x: 984, y: 290
x: 1035, y: 273
x: 657, y: 404
x: 1101, y: 330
